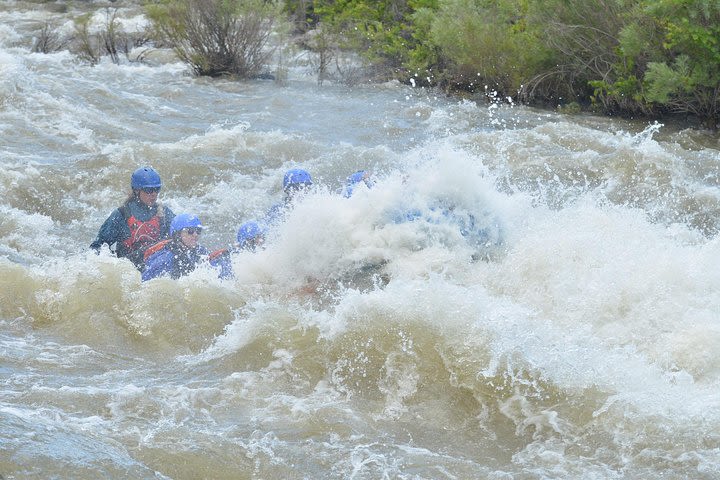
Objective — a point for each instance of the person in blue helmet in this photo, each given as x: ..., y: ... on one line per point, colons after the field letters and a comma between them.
x: 295, y: 181
x: 353, y: 181
x: 181, y: 253
x: 139, y: 222
x: 250, y: 236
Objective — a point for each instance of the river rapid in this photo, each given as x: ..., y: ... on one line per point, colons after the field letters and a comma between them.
x: 575, y: 333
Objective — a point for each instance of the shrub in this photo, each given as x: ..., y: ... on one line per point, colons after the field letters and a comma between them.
x: 324, y: 46
x: 48, y: 40
x: 87, y: 46
x: 687, y: 80
x: 217, y: 37
x: 639, y: 56
x: 624, y: 57
x: 382, y: 31
x: 110, y: 39
x: 302, y: 14
x: 584, y: 37
x: 481, y: 44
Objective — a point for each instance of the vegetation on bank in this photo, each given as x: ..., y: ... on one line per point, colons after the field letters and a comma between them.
x: 625, y: 57
x: 618, y: 57
x: 218, y: 37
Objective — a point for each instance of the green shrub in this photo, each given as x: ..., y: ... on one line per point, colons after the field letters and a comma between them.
x: 688, y: 79
x: 584, y: 38
x: 624, y: 57
x: 382, y: 31
x: 302, y: 14
x: 485, y: 43
x: 218, y: 37
x: 639, y: 56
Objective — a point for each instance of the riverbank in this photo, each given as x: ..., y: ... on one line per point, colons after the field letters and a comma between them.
x: 649, y: 61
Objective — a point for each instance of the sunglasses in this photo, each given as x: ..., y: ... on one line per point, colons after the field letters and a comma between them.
x: 193, y: 230
x: 295, y: 187
x: 150, y: 189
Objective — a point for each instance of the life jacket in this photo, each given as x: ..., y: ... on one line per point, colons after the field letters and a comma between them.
x: 163, y: 243
x: 155, y: 248
x: 217, y: 253
x: 142, y: 234
x: 184, y: 262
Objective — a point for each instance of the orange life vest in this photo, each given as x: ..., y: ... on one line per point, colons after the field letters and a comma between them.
x: 217, y: 253
x: 142, y: 234
x: 155, y: 248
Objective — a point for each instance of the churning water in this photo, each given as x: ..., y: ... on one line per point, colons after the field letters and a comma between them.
x: 575, y: 334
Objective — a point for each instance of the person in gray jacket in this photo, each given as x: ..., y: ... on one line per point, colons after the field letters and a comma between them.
x: 139, y: 222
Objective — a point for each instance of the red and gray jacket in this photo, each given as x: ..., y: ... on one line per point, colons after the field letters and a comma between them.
x: 132, y: 228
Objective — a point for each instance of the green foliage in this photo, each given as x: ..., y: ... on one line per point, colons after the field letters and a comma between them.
x: 665, y: 81
x: 486, y: 43
x: 382, y: 31
x: 623, y: 95
x: 217, y: 37
x: 691, y: 26
x: 688, y: 78
x: 657, y: 56
x: 475, y: 44
x: 584, y: 38
x: 302, y: 14
x: 640, y: 41
x: 424, y: 59
x: 624, y: 56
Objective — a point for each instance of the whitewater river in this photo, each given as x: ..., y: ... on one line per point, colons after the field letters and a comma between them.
x: 572, y: 333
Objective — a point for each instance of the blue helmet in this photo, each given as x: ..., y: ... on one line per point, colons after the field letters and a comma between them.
x: 145, y: 177
x: 249, y: 231
x: 184, y: 220
x: 356, y: 177
x: 353, y: 180
x: 296, y: 177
